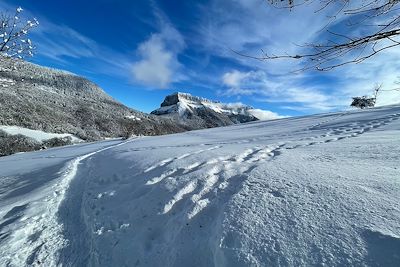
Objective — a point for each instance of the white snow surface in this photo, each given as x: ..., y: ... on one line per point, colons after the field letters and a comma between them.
x: 316, y: 190
x: 133, y: 117
x: 38, y: 135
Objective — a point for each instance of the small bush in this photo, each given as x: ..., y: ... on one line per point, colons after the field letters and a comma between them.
x: 54, y: 142
x: 363, y: 102
x: 10, y: 144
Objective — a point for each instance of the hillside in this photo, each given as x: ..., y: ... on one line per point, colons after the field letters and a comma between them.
x: 320, y: 190
x: 56, y: 101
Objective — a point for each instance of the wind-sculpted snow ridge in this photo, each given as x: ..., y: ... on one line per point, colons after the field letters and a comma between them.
x: 314, y: 190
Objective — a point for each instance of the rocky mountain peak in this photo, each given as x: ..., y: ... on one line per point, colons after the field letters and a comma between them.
x: 176, y: 97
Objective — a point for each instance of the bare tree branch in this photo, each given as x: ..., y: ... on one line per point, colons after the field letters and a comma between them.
x: 343, y: 49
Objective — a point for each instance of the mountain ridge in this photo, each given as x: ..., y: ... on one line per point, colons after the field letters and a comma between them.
x: 198, y: 112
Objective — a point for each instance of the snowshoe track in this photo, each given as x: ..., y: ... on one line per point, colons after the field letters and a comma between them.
x: 230, y: 171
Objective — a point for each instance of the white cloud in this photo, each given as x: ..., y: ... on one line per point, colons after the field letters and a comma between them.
x: 241, y: 83
x: 234, y: 78
x: 236, y: 91
x: 265, y: 114
x: 159, y: 65
x: 304, y: 99
x: 304, y: 95
x: 258, y: 113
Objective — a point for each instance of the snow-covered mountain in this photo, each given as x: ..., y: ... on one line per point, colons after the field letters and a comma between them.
x: 319, y: 190
x: 33, y: 97
x: 198, y: 112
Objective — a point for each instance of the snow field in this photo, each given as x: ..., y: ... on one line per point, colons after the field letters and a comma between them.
x: 313, y: 190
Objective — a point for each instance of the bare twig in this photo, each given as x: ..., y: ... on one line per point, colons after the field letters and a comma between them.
x: 343, y: 49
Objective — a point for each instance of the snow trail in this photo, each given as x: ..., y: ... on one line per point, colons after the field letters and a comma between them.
x: 36, y: 236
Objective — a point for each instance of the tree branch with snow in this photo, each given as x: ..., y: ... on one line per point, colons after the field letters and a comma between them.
x: 14, y: 41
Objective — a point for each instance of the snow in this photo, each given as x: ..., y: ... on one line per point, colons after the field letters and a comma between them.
x: 4, y: 82
x: 38, y: 135
x: 215, y: 106
x: 313, y: 190
x: 133, y: 117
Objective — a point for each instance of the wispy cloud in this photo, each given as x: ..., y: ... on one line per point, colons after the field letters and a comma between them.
x: 61, y: 43
x: 252, y: 27
x: 236, y: 80
x: 270, y: 89
x: 65, y: 42
x: 159, y: 64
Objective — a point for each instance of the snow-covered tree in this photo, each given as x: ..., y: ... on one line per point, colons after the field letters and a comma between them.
x: 366, y: 101
x: 14, y: 31
x: 363, y: 102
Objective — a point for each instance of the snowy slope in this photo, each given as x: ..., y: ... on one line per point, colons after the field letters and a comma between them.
x: 37, y: 135
x: 315, y: 190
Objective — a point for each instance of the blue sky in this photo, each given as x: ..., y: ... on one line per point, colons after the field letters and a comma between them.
x: 140, y: 51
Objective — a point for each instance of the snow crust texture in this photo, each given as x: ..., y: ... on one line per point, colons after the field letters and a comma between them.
x: 306, y: 191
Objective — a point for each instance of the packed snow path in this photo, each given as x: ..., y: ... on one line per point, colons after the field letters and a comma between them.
x: 31, y: 201
x: 315, y: 190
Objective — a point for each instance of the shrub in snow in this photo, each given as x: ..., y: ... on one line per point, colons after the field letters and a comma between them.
x: 54, y: 142
x: 363, y: 102
x: 10, y: 144
x: 366, y: 101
